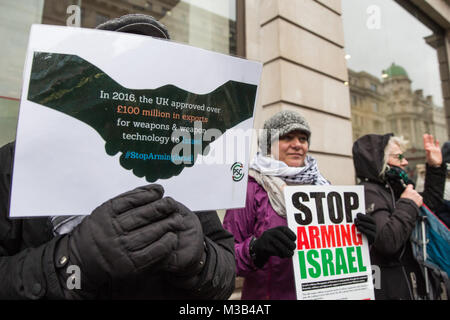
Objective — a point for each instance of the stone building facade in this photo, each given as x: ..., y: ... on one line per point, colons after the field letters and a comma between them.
x: 388, y: 104
x: 302, y: 48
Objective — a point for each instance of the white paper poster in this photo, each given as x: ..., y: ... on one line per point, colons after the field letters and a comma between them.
x: 332, y: 259
x: 105, y: 112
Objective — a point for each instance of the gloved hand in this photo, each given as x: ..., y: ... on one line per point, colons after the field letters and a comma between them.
x: 366, y: 224
x: 278, y: 241
x: 187, y: 260
x: 188, y: 256
x: 131, y: 233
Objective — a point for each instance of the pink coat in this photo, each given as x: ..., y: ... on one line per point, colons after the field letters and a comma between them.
x: 276, y: 279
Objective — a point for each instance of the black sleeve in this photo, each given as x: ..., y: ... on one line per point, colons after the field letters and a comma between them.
x: 394, y: 227
x: 433, y: 193
x: 30, y: 274
x: 216, y: 281
x: 6, y: 156
x: 25, y: 272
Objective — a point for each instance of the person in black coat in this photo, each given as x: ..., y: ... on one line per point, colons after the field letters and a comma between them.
x: 443, y: 212
x: 391, y: 199
x: 138, y: 245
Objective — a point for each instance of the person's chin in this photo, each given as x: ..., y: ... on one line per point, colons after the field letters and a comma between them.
x: 295, y: 162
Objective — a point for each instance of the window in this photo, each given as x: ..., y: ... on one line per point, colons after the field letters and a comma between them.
x: 210, y: 25
x: 375, y: 107
x: 16, y: 18
x: 394, y: 126
x: 392, y: 45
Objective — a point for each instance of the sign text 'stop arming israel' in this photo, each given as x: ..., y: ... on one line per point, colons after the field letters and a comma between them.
x: 332, y: 258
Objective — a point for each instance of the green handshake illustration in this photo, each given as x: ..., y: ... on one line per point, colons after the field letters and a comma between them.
x: 139, y: 123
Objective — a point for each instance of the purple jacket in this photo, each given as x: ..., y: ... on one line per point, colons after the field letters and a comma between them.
x: 276, y: 279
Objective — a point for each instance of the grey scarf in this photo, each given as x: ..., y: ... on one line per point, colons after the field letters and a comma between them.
x: 274, y: 175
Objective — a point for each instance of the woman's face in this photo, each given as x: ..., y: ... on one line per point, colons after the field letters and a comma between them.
x: 396, y: 157
x: 291, y: 148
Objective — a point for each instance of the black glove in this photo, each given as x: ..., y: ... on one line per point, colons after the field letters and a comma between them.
x: 189, y: 255
x: 185, y: 263
x: 132, y: 233
x: 279, y: 241
x: 366, y: 224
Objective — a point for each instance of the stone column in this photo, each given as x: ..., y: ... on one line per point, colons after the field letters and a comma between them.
x: 442, y: 45
x: 301, y: 44
x: 444, y: 67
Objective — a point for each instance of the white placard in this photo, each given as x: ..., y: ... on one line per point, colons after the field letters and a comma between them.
x: 332, y: 259
x: 99, y: 110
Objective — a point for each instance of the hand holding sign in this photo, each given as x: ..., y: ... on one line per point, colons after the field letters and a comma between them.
x: 366, y: 224
x: 279, y: 241
x: 138, y: 231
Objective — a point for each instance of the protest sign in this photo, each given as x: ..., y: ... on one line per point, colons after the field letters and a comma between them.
x: 104, y: 112
x: 332, y: 259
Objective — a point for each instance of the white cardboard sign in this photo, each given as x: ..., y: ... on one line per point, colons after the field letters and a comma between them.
x: 332, y: 259
x: 104, y: 112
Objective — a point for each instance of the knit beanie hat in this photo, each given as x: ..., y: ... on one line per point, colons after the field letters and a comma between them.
x: 138, y: 24
x: 280, y: 124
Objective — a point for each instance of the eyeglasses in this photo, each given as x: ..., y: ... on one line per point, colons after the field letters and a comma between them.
x: 399, y: 156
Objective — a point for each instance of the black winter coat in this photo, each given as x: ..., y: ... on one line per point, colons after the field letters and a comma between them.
x: 400, y: 274
x: 30, y: 265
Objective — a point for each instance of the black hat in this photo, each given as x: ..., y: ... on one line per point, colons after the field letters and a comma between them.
x: 138, y: 24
